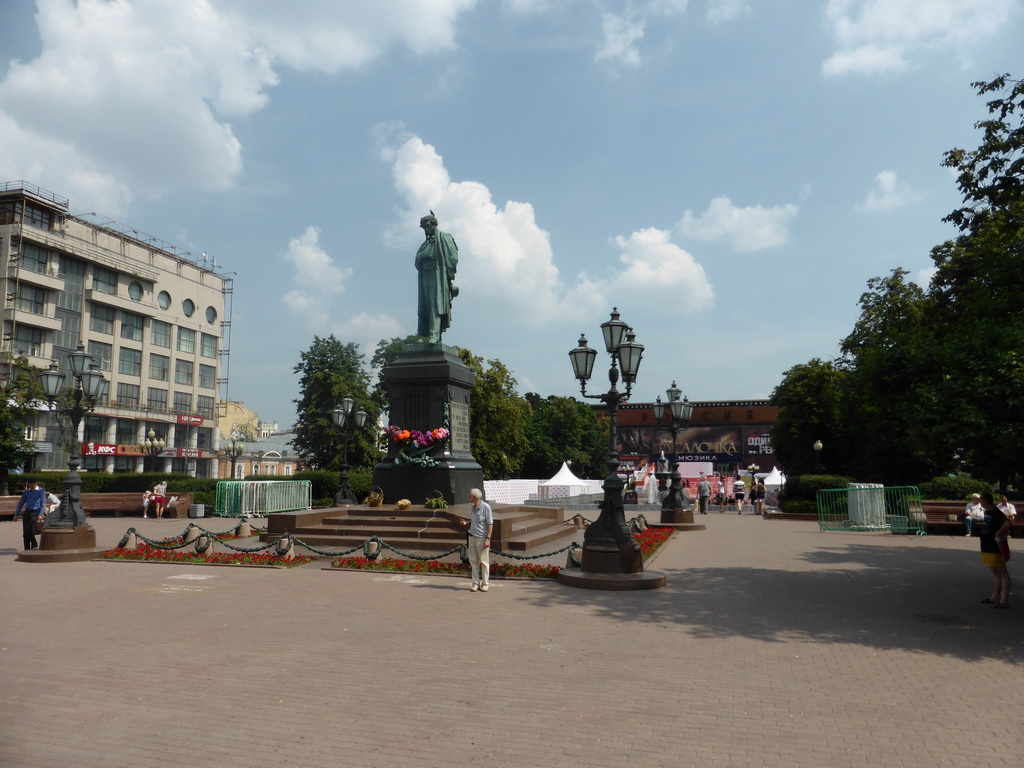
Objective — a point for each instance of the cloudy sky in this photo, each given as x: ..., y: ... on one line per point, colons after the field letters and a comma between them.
x: 728, y: 173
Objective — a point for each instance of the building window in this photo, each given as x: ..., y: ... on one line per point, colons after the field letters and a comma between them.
x: 70, y: 328
x: 40, y: 218
x: 28, y: 341
x: 207, y: 376
x: 204, y: 405
x: 160, y: 333
x: 183, y: 372
x: 211, y: 315
x: 101, y: 353
x: 124, y: 465
x: 270, y: 469
x: 31, y: 299
x: 163, y: 299
x: 104, y: 280
x: 209, y: 345
x: 157, y: 399
x: 159, y: 365
x: 183, y: 402
x: 240, y: 470
x: 288, y: 469
x: 129, y: 362
x: 34, y: 258
x: 101, y: 319
x: 186, y: 341
x: 135, y: 291
x: 204, y: 439
x: 127, y: 434
x: 128, y: 394
x: 188, y: 307
x: 95, y: 429
x: 131, y: 326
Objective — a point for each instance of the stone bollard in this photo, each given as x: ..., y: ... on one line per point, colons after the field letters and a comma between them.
x: 580, y: 522
x: 191, y: 534
x: 244, y: 529
x: 289, y: 554
x: 568, y: 556
x: 133, y: 541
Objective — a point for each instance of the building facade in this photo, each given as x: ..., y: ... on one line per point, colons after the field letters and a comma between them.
x: 155, y: 318
x: 267, y: 456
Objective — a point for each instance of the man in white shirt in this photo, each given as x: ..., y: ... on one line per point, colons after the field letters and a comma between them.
x: 1008, y: 509
x: 974, y: 513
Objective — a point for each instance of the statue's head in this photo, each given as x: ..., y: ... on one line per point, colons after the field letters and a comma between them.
x: 429, y: 223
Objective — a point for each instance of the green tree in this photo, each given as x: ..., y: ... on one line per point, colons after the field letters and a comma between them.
x: 564, y: 429
x: 810, y: 400
x: 498, y: 417
x: 886, y: 375
x: 18, y: 394
x: 976, y: 408
x: 328, y: 371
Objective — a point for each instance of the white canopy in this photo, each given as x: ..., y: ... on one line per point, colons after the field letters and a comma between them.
x: 775, y: 477
x: 564, y: 476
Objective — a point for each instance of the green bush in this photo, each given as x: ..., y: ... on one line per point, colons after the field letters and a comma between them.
x: 799, y: 507
x: 100, y: 482
x: 957, y: 488
x: 323, y: 484
x: 806, y: 487
x: 360, y: 480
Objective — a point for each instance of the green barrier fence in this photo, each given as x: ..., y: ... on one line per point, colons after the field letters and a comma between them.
x: 864, y: 507
x: 261, y: 497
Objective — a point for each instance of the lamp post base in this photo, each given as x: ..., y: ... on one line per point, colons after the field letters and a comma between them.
x: 64, y: 545
x: 613, y: 582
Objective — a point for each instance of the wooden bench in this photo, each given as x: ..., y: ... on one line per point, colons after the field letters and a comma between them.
x: 948, y: 517
x: 110, y: 505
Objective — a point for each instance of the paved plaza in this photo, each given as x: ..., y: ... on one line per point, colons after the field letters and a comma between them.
x: 772, y: 645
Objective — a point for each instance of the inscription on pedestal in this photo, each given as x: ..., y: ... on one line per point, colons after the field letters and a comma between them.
x: 460, y: 427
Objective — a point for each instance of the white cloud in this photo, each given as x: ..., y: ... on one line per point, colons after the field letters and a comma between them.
x: 888, y: 194
x: 924, y: 276
x: 316, y: 276
x: 720, y: 11
x: 505, y: 255
x: 753, y: 228
x: 875, y: 36
x: 144, y: 90
x: 368, y: 329
x: 621, y: 35
x: 653, y: 263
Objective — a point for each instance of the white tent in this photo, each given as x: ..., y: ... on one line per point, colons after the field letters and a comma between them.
x: 774, y: 478
x: 563, y: 484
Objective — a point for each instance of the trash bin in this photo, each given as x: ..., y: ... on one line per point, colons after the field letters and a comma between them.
x: 197, y: 510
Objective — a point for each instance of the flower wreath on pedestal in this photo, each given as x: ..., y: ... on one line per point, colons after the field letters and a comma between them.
x: 415, y: 445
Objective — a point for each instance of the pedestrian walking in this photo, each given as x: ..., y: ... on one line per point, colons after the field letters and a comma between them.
x: 33, y: 502
x: 995, y: 551
x: 480, y: 524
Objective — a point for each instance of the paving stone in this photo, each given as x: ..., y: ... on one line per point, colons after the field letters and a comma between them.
x: 772, y: 645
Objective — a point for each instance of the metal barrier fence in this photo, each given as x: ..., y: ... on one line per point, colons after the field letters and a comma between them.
x: 261, y: 497
x: 871, y: 508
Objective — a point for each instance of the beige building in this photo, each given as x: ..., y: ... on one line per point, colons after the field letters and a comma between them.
x: 236, y: 418
x: 155, y: 319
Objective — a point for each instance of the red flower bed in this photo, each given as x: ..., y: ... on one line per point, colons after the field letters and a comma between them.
x: 148, y: 554
x: 651, y: 539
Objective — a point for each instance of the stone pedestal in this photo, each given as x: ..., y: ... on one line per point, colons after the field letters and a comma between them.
x: 64, y: 545
x: 428, y: 387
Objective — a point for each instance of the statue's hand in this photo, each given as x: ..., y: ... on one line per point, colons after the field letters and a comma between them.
x: 453, y: 289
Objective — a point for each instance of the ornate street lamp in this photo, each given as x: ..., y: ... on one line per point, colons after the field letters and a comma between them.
x: 87, y: 385
x: 151, y: 447
x: 233, y: 450
x: 678, y: 413
x: 608, y: 546
x: 817, y: 455
x: 344, y: 420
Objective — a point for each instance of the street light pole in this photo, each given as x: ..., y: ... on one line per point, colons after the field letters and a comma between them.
x: 344, y: 419
x: 234, y: 449
x: 87, y: 384
x: 608, y: 546
x: 151, y: 447
x: 817, y: 456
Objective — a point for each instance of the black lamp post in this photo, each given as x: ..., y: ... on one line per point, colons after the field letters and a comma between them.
x: 608, y: 546
x: 344, y: 419
x: 87, y: 384
x: 151, y: 447
x: 233, y: 450
x: 679, y: 413
x: 817, y: 455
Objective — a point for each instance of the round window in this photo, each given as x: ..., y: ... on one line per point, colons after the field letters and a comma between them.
x: 164, y: 299
x: 135, y: 291
x: 188, y: 307
x: 211, y: 315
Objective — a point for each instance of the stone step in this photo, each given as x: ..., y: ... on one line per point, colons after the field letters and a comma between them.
x: 554, y: 537
x: 387, y: 522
